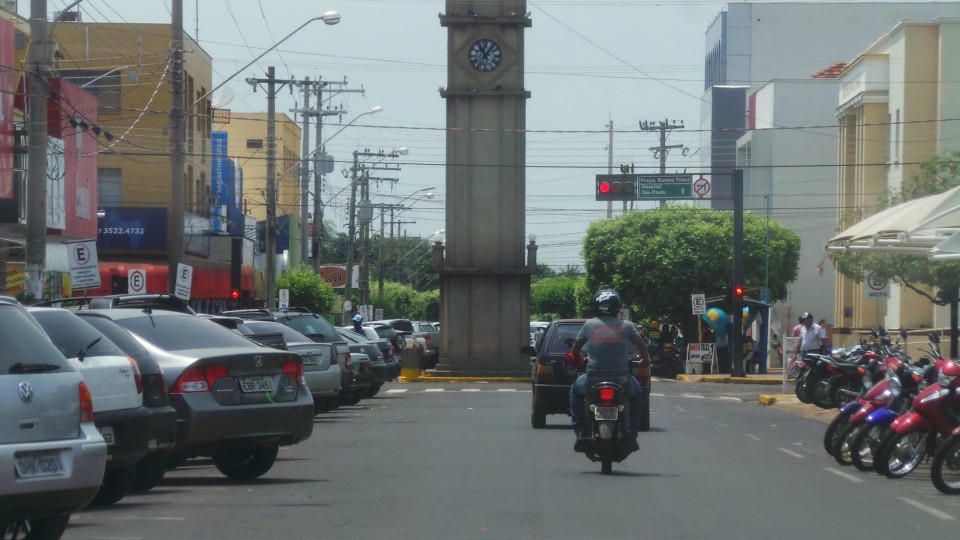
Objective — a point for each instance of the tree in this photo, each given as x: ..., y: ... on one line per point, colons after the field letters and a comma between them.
x: 657, y: 258
x: 936, y: 175
x: 553, y: 298
x: 307, y: 289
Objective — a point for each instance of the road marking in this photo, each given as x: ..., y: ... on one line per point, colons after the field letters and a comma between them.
x: 139, y: 518
x: 433, y: 390
x: 721, y: 424
x: 842, y: 474
x: 470, y: 390
x: 506, y: 389
x: 396, y: 390
x: 657, y: 395
x: 790, y: 452
x: 932, y: 511
x: 679, y: 408
x: 696, y: 396
x: 754, y: 437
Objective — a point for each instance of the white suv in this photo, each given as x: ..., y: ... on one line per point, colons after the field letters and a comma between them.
x: 51, y: 456
x: 117, y: 390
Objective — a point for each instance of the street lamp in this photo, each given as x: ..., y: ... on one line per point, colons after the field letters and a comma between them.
x: 317, y: 204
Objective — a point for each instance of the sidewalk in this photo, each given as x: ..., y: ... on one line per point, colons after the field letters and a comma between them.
x: 774, y: 376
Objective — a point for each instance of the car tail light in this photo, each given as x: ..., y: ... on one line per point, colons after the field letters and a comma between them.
x: 295, y: 370
x: 606, y: 395
x: 426, y: 340
x: 199, y: 379
x: 86, y: 404
x: 346, y: 361
x: 137, y: 377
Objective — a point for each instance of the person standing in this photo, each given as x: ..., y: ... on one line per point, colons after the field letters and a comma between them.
x: 813, y: 337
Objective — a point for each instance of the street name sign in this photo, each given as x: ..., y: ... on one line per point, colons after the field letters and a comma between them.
x: 664, y: 186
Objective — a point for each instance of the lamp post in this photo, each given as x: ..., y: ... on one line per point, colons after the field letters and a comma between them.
x: 317, y: 239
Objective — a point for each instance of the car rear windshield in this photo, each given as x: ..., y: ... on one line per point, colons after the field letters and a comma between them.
x: 23, y: 342
x: 563, y: 338
x: 73, y: 336
x: 289, y: 334
x: 311, y: 326
x: 180, y: 333
x: 118, y: 335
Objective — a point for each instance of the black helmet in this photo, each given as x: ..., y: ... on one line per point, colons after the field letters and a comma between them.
x: 606, y: 302
x: 806, y: 316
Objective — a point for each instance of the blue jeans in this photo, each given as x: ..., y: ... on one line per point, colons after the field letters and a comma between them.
x: 578, y: 395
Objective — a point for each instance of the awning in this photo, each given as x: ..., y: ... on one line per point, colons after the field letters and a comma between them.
x: 915, y: 226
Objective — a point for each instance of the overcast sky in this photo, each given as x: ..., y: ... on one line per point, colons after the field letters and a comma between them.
x: 587, y: 62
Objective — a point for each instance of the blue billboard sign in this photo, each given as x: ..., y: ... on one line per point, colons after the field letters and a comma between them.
x: 132, y: 228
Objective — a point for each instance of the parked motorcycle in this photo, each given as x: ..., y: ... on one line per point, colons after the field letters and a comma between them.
x: 934, y: 414
x: 607, y: 414
x: 945, y: 468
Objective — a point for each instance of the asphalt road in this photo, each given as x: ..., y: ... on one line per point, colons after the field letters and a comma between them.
x: 460, y: 461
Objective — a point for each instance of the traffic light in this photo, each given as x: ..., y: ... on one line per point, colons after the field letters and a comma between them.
x: 616, y: 187
x: 738, y: 293
x: 235, y: 294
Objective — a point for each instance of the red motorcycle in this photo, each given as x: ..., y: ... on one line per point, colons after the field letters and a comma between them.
x: 934, y: 416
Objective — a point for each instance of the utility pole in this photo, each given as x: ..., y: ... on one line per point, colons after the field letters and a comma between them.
x: 351, y: 231
x: 736, y: 340
x: 662, y: 150
x: 36, y: 230
x: 178, y: 159
x: 271, y: 183
x: 610, y: 163
x: 304, y: 170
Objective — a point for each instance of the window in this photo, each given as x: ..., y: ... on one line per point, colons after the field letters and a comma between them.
x: 254, y: 143
x: 108, y: 188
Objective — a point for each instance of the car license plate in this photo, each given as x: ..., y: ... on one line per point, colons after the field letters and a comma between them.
x: 605, y: 413
x: 38, y: 464
x: 107, y: 434
x: 311, y: 360
x: 256, y: 384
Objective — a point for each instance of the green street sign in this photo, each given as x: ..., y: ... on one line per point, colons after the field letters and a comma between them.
x: 664, y: 186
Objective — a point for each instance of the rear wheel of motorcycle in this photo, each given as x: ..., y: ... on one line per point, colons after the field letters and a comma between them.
x: 841, y: 388
x: 842, y: 452
x: 606, y: 456
x: 644, y: 413
x: 809, y: 384
x: 903, y: 453
x: 820, y: 394
x: 836, y: 427
x: 799, y: 386
x: 864, y: 448
x: 945, y: 469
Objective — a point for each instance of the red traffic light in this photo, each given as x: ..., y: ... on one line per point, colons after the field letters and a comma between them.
x: 603, y: 187
x: 235, y: 294
x: 738, y: 291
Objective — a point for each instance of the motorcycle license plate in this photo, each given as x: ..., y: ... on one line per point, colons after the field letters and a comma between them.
x: 605, y: 413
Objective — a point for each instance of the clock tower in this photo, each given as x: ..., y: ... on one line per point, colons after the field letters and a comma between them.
x: 484, y: 272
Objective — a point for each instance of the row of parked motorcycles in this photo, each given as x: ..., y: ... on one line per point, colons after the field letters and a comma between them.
x: 893, y: 412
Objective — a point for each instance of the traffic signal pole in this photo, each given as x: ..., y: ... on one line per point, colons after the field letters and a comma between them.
x: 736, y: 349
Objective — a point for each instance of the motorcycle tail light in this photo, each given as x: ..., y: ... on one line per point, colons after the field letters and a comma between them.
x: 606, y: 394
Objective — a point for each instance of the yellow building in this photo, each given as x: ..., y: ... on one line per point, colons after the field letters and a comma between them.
x: 247, y: 145
x: 892, y: 98
x: 128, y: 67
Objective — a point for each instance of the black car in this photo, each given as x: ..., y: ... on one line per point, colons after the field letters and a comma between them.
x: 156, y: 398
x: 360, y: 344
x: 551, y: 380
x: 166, y: 302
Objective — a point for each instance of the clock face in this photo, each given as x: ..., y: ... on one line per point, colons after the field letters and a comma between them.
x: 485, y: 55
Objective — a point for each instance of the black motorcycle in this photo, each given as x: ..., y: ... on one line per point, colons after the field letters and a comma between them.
x: 607, y: 414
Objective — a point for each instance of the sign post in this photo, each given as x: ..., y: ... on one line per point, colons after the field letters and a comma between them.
x: 184, y: 281
x: 84, y: 267
x: 137, y: 281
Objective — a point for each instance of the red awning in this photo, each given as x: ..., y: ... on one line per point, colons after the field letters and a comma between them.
x: 210, y: 278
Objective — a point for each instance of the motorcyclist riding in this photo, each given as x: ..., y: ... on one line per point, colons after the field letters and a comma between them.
x: 610, y: 339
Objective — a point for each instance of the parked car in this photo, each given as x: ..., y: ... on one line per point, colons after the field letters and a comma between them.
x: 52, y: 457
x: 551, y: 381
x: 116, y: 387
x: 156, y: 398
x: 320, y: 365
x: 236, y: 401
x: 391, y: 355
x: 136, y: 301
x: 432, y: 336
x: 319, y: 330
x: 360, y: 344
x: 537, y: 328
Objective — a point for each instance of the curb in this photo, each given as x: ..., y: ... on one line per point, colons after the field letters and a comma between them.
x: 728, y: 379
x: 770, y: 399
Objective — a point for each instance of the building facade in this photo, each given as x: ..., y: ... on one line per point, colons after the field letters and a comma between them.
x: 895, y: 103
